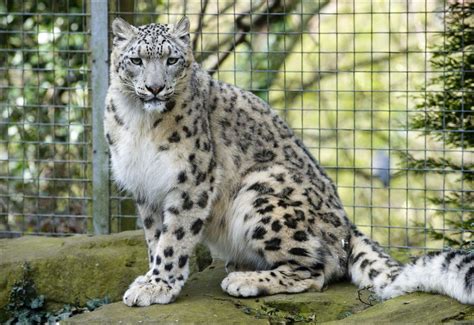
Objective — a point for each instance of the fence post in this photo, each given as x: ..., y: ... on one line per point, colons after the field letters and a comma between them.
x: 100, y: 156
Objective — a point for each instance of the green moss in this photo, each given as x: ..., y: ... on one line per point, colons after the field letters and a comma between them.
x: 25, y: 306
x: 75, y: 269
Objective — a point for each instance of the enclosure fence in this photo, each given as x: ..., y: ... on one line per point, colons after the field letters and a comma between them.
x: 357, y: 81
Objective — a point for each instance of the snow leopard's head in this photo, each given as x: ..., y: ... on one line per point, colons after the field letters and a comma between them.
x: 151, y: 61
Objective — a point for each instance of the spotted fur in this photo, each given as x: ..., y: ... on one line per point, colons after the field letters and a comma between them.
x: 207, y: 161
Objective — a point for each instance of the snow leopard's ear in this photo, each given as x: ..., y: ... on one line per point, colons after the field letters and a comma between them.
x: 122, y: 30
x: 181, y: 30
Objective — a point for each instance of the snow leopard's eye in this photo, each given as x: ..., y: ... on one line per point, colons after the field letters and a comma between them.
x: 171, y: 61
x: 136, y: 61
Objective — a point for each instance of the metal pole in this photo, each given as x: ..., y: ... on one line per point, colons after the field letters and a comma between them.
x: 100, y: 156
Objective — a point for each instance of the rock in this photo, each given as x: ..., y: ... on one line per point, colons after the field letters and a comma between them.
x: 73, y: 270
x: 203, y: 302
x: 415, y: 308
x: 76, y: 269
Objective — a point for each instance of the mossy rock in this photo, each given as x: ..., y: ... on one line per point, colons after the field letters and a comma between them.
x: 415, y: 308
x: 75, y: 269
x: 203, y: 302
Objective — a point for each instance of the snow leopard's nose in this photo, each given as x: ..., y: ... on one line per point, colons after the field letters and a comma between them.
x: 154, y: 88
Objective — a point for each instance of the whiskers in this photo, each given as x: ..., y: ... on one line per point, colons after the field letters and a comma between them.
x: 129, y: 88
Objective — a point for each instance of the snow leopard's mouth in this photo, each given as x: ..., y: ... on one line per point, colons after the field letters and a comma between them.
x: 154, y: 101
x: 154, y: 104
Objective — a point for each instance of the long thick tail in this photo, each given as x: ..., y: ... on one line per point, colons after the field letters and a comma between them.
x: 450, y: 273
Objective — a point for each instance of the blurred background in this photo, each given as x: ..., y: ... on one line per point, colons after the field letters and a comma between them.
x: 380, y: 91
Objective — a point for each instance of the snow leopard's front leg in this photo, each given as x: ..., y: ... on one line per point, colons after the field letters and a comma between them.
x: 185, y: 211
x: 151, y: 216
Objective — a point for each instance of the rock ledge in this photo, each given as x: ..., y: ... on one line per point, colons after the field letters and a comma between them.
x: 76, y: 269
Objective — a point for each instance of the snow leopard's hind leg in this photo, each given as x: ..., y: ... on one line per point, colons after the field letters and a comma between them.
x: 280, y: 238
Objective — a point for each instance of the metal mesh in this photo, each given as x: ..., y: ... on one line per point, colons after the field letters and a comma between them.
x: 346, y: 75
x: 45, y: 126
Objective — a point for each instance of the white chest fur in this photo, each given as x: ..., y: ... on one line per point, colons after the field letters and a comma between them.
x: 139, y: 167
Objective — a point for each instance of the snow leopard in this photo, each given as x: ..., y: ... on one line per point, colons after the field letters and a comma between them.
x: 209, y: 162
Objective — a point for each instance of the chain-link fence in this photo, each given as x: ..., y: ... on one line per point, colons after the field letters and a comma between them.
x: 358, y: 81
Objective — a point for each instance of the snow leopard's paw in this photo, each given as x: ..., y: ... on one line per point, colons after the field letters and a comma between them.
x: 145, y: 291
x: 240, y: 284
x: 140, y: 280
x: 261, y: 283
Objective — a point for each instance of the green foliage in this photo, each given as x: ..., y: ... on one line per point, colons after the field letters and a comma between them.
x: 445, y: 113
x: 25, y: 306
x: 449, y: 102
x: 45, y: 114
